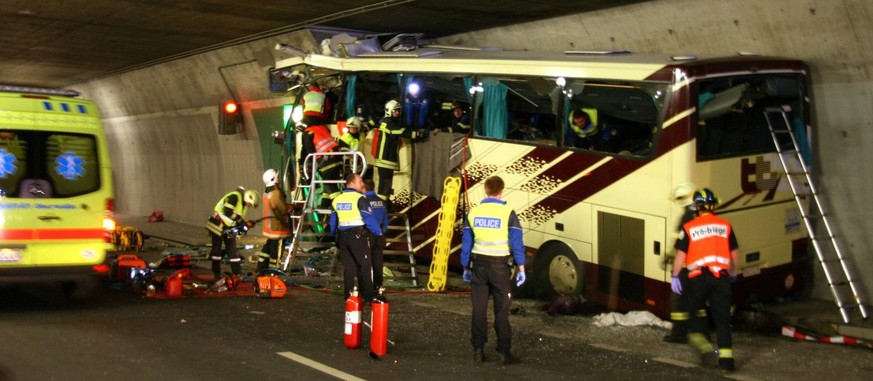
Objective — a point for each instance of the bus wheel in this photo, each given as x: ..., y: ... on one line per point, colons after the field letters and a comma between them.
x: 558, y: 272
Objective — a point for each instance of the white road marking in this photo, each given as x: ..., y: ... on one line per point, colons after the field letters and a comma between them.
x: 319, y: 366
x: 679, y: 363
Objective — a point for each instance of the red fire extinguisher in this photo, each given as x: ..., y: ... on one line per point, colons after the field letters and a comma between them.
x: 379, y: 324
x: 353, y: 321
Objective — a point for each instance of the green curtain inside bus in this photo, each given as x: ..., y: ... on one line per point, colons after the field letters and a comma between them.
x: 351, y: 82
x: 495, y: 115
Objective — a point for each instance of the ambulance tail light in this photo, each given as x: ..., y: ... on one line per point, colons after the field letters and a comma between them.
x: 109, y: 220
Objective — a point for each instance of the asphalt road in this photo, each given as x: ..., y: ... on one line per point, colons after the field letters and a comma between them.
x: 118, y: 334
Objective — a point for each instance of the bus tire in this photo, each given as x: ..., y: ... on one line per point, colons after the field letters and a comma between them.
x: 558, y: 272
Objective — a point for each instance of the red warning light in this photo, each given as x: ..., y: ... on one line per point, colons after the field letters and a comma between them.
x: 230, y: 107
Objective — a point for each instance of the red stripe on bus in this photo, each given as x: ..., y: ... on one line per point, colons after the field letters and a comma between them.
x: 51, y: 234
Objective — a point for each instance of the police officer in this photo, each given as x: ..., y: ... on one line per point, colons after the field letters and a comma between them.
x: 230, y: 213
x: 277, y: 226
x: 387, y: 147
x: 707, y: 247
x: 353, y: 224
x: 380, y: 213
x: 491, y: 233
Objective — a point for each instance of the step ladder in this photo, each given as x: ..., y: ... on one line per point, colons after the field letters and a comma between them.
x: 400, y: 232
x: 843, y: 285
x: 310, y: 236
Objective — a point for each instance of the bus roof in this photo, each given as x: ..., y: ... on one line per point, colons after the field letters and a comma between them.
x: 618, y: 65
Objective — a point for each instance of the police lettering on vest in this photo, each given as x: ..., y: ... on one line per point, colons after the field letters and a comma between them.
x: 486, y: 222
x: 344, y: 206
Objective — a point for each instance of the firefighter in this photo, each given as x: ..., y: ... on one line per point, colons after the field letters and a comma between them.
x: 460, y: 122
x: 707, y: 248
x: 380, y: 213
x: 387, y: 147
x: 353, y: 224
x: 350, y: 141
x: 682, y: 196
x: 277, y: 225
x: 492, y: 238
x: 317, y: 139
x: 226, y: 223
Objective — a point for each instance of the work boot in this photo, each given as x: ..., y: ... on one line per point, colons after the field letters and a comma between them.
x: 478, y: 355
x: 726, y: 364
x: 508, y: 359
x: 709, y: 359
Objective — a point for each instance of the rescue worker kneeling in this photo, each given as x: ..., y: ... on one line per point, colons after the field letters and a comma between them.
x: 353, y: 224
x: 226, y: 223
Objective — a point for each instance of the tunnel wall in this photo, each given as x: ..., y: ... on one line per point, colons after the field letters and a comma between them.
x: 161, y: 120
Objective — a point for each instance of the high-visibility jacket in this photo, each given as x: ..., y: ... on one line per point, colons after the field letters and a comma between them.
x: 276, y: 220
x: 349, y: 142
x: 227, y: 212
x: 490, y: 225
x: 387, y: 146
x: 708, y: 245
x: 321, y: 139
x: 347, y: 212
x: 315, y: 102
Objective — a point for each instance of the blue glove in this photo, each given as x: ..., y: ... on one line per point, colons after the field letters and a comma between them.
x: 676, y: 285
x: 468, y: 276
x: 520, y: 277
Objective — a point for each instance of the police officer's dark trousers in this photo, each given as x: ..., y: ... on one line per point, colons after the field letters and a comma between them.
x: 377, y: 258
x: 704, y: 288
x: 232, y: 253
x: 491, y: 279
x: 354, y: 251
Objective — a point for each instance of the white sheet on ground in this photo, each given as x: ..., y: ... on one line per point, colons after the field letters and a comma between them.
x: 633, y: 318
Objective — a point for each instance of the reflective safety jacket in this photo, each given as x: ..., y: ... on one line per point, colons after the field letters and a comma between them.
x: 349, y: 143
x: 227, y: 212
x: 352, y: 210
x: 387, y: 146
x: 710, y: 241
x: 492, y: 228
x: 276, y: 219
x: 322, y: 140
x: 315, y: 102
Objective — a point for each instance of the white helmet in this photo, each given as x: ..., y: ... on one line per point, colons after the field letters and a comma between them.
x: 270, y: 177
x: 681, y: 195
x: 355, y: 121
x: 252, y: 197
x: 391, y: 106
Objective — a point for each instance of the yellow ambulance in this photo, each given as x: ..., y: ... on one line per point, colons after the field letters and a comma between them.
x: 56, y: 198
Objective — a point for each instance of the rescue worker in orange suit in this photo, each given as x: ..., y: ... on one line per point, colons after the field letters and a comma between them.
x: 226, y: 221
x: 317, y: 139
x: 387, y: 147
x: 492, y: 236
x: 707, y: 247
x: 682, y: 195
x: 353, y: 224
x: 380, y: 213
x: 277, y: 224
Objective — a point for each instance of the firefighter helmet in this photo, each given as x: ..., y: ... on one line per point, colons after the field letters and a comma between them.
x: 251, y: 197
x: 391, y: 106
x: 270, y: 177
x: 705, y: 199
x: 355, y: 121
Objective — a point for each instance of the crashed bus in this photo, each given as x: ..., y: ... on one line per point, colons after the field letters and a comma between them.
x: 598, y: 222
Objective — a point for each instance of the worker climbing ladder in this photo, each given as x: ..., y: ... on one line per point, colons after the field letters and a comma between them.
x: 843, y: 286
x: 309, y: 220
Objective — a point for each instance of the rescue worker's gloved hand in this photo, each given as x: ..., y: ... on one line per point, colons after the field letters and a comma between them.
x: 468, y: 276
x: 520, y: 277
x: 676, y: 285
x: 250, y: 224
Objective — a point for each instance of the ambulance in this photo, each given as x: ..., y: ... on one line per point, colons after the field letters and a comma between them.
x: 56, y: 197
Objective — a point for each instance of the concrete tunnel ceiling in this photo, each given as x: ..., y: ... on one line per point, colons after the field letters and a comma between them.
x: 59, y: 43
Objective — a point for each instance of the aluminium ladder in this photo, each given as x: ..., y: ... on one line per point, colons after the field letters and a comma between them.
x: 400, y: 222
x: 825, y: 242
x: 315, y: 242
